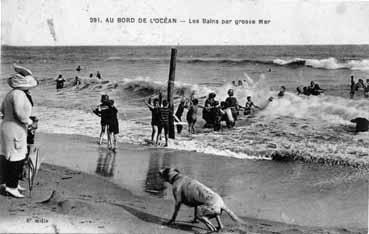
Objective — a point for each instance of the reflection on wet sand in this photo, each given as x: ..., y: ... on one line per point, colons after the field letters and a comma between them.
x: 153, y: 183
x: 105, y: 163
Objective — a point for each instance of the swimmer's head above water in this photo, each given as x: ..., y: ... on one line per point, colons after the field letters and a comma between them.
x: 230, y: 92
x: 212, y: 95
x: 104, y: 99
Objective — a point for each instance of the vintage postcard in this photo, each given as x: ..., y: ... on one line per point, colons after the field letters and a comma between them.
x: 184, y: 116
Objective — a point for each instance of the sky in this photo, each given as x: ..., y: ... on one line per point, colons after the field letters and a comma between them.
x: 71, y: 22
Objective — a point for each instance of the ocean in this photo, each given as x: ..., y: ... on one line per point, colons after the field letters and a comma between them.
x: 314, y: 128
x: 324, y: 181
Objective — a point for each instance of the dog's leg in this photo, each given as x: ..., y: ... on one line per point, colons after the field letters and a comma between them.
x: 176, y: 209
x: 207, y: 222
x: 220, y: 225
x: 195, y: 215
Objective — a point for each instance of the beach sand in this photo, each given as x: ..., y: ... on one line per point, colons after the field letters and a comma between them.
x: 88, y: 203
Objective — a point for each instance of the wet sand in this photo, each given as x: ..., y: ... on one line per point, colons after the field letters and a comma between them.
x: 105, y: 192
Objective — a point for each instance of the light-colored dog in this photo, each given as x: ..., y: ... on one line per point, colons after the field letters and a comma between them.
x: 192, y: 193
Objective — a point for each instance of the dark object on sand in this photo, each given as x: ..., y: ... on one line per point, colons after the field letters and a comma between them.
x: 362, y: 124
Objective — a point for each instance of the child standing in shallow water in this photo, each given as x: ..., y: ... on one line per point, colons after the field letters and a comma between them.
x: 249, y: 106
x: 102, y: 111
x: 165, y: 113
x: 155, y: 118
x: 192, y: 115
x: 113, y: 125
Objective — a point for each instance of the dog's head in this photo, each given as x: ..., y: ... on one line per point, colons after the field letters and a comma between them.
x: 168, y: 174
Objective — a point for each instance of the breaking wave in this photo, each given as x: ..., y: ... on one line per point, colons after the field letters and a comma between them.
x: 326, y: 63
x: 145, y: 86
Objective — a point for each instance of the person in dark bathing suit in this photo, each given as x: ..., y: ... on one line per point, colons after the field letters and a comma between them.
x: 282, y: 91
x: 102, y: 111
x: 60, y: 82
x: 98, y: 75
x: 165, y: 112
x: 179, y: 113
x: 231, y: 102
x: 249, y: 106
x: 352, y: 87
x: 113, y: 125
x: 155, y: 118
x: 77, y: 81
x: 208, y: 112
x: 314, y: 89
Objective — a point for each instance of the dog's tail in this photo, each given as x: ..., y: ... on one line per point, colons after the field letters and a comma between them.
x: 232, y: 215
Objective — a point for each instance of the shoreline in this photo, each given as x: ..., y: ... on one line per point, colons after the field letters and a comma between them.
x: 86, y: 202
x: 276, y: 155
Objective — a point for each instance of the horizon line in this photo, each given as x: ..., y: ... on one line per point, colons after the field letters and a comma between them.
x: 169, y: 45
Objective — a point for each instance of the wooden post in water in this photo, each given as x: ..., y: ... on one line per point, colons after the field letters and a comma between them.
x: 172, y: 75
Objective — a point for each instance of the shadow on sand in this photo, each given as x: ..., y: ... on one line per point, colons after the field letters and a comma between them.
x: 158, y: 220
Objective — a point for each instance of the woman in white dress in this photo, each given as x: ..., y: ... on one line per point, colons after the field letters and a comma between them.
x: 16, y: 109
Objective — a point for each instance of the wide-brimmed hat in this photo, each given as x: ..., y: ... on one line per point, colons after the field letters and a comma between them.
x: 22, y: 70
x: 18, y: 81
